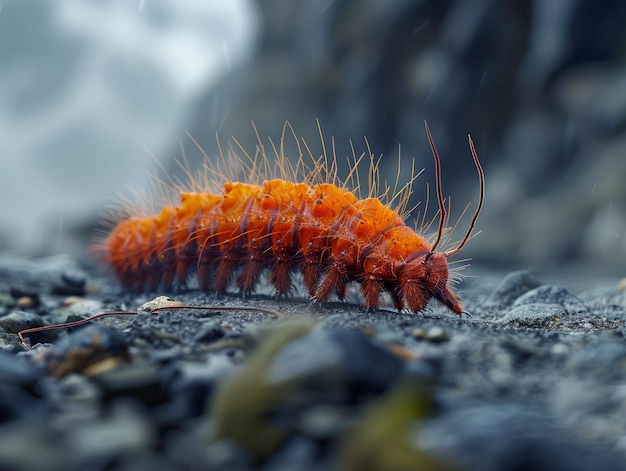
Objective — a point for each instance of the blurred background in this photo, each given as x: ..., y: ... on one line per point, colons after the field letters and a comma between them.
x: 89, y: 90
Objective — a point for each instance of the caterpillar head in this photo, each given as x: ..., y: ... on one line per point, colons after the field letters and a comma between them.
x: 425, y: 276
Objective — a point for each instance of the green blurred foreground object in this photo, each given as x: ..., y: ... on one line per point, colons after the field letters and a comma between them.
x: 384, y: 439
x: 244, y: 401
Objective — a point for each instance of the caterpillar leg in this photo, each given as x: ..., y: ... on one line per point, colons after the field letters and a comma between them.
x: 311, y: 273
x: 280, y: 277
x: 334, y: 280
x: 249, y: 276
x: 371, y: 288
x: 225, y: 270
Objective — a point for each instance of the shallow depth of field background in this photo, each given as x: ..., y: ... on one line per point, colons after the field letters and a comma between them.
x: 88, y: 90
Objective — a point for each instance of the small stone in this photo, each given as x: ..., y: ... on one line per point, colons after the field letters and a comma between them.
x: 548, y: 294
x: 419, y: 333
x: 159, y: 303
x: 41, y: 275
x: 77, y: 308
x: 512, y: 287
x: 25, y: 298
x: 70, y: 300
x: 71, y: 282
x: 103, y: 366
x: 402, y: 352
x: 81, y: 349
x: 436, y: 335
x: 25, y: 302
x: 209, y: 332
x: 142, y: 319
x: 334, y: 358
x: 20, y: 320
x: 141, y: 381
x: 295, y: 360
x: 532, y: 315
x: 10, y: 343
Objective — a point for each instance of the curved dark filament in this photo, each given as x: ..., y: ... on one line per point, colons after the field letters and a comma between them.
x: 481, y: 199
x: 66, y: 325
x: 443, y: 214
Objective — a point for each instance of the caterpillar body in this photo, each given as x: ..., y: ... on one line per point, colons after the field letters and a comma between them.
x: 321, y: 230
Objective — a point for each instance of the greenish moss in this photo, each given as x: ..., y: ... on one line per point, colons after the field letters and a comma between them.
x: 381, y: 440
x: 244, y: 401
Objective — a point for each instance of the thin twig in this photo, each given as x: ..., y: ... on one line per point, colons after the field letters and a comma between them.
x: 279, y: 316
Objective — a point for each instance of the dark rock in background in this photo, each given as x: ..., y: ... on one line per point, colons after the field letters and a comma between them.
x: 543, y: 98
x: 539, y: 85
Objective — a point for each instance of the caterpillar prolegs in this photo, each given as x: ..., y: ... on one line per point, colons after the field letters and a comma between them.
x: 321, y: 230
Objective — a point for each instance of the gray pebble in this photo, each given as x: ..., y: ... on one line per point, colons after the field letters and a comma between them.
x: 71, y: 282
x: 549, y: 294
x: 335, y: 358
x: 20, y: 320
x: 419, y: 333
x: 296, y: 361
x: 209, y: 332
x: 436, y: 335
x: 80, y: 309
x: 512, y: 287
x: 533, y: 315
x: 139, y: 380
x: 10, y: 342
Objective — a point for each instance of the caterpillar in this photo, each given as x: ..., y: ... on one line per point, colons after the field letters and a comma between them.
x: 322, y: 230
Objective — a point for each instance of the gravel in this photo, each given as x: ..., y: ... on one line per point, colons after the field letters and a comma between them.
x: 534, y: 379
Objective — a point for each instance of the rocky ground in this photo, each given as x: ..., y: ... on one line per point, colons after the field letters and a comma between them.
x: 534, y: 379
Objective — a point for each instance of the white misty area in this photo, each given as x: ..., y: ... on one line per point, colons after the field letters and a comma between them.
x: 86, y: 87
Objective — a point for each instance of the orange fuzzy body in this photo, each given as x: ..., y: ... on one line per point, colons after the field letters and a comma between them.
x: 323, y: 231
x: 320, y: 230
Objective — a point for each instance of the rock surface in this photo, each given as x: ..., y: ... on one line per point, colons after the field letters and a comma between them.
x: 531, y: 380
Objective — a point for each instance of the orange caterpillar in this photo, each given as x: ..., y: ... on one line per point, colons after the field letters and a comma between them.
x: 322, y: 230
